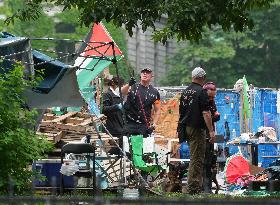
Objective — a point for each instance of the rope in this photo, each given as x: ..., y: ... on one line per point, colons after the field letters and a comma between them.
x: 17, y: 53
x: 73, y: 40
x: 102, y: 57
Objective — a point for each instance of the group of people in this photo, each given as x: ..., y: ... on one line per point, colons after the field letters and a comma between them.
x: 140, y: 113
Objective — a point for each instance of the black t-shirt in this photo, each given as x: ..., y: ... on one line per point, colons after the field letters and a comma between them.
x: 194, y: 100
x: 139, y: 103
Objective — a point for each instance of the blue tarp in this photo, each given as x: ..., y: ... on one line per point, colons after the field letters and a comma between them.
x: 52, y: 71
x: 264, y: 114
x: 228, y: 103
x: 15, y: 49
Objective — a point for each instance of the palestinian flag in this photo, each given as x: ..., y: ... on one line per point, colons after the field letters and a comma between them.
x: 96, y: 54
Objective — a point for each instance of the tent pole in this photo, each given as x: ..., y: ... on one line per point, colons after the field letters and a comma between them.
x: 101, y: 93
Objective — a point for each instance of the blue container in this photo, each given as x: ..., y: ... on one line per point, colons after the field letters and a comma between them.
x: 184, y: 151
x: 50, y: 169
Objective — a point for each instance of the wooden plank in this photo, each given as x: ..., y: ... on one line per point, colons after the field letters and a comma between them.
x: 63, y: 117
x: 86, y: 122
x: 84, y: 115
x: 74, y: 120
x: 49, y: 116
x: 46, y: 123
x: 53, y: 137
x: 101, y: 117
x: 59, y: 136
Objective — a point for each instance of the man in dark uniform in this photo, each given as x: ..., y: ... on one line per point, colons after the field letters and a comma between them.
x: 195, y: 115
x: 141, y: 100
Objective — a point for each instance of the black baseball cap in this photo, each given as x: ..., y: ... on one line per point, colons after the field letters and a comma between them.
x: 146, y: 69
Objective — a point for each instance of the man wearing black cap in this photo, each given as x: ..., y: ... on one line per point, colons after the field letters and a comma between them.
x: 141, y: 100
x: 195, y: 118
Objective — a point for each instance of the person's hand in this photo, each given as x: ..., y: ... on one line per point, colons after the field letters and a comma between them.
x: 216, y: 114
x: 132, y: 81
x: 149, y: 131
x: 153, y: 126
x: 119, y: 106
x: 212, y: 137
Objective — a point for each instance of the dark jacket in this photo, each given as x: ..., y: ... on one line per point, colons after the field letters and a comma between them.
x: 194, y: 100
x: 114, y: 122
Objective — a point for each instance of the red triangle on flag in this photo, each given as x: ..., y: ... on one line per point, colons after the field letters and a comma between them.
x: 98, y: 36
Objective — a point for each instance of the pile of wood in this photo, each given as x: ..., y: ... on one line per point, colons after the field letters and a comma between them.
x: 72, y: 126
x: 169, y: 117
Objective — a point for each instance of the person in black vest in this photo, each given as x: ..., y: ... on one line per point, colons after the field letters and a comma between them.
x: 112, y: 108
x: 210, y: 156
x: 142, y: 99
x: 195, y: 115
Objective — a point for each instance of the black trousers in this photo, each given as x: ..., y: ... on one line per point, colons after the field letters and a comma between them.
x: 134, y: 128
x: 208, y: 164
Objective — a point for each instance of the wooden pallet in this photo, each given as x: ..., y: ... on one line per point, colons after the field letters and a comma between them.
x: 72, y: 126
x: 71, y: 121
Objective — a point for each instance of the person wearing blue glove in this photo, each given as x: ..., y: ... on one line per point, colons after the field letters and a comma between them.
x: 113, y: 109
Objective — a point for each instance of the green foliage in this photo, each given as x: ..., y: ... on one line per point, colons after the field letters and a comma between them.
x: 19, y: 145
x: 228, y: 56
x: 186, y: 19
x: 43, y: 26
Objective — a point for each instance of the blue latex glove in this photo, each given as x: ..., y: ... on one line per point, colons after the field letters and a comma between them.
x: 119, y: 106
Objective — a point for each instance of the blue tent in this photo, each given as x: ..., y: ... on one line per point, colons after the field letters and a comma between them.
x: 59, y: 85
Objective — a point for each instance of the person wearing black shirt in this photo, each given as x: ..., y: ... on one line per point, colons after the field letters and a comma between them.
x: 142, y: 99
x: 112, y: 108
x: 195, y: 118
x: 210, y: 157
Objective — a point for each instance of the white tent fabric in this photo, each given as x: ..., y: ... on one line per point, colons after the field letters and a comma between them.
x: 65, y: 94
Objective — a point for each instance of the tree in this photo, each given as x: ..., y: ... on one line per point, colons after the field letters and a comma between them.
x: 19, y: 145
x: 228, y: 56
x: 186, y: 19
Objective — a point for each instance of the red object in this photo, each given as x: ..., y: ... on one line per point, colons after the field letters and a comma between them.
x: 227, y: 98
x: 97, y: 37
x: 236, y: 167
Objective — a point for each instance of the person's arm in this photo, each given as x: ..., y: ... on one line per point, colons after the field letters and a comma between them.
x: 205, y: 107
x: 157, y: 112
x: 156, y: 106
x: 208, y: 121
x: 215, y: 114
x: 125, y: 88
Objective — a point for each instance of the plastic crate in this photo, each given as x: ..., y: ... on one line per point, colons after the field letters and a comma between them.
x: 268, y: 155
